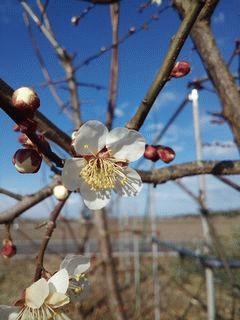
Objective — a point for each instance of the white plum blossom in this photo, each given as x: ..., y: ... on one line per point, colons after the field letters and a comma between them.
x: 101, y: 163
x: 43, y: 298
x: 76, y: 267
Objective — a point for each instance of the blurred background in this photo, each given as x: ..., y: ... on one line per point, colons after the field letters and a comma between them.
x: 158, y: 240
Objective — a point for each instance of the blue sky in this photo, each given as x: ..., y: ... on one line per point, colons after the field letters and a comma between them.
x: 140, y: 57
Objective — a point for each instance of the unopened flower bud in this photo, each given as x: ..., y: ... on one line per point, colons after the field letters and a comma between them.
x: 132, y: 30
x: 27, y: 160
x: 181, y: 69
x: 60, y: 192
x: 8, y: 250
x: 166, y: 154
x: 75, y: 20
x: 151, y: 153
x: 25, y: 99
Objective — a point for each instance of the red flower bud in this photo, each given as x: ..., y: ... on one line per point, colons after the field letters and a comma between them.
x: 166, y: 154
x: 8, y: 250
x: 25, y: 99
x: 151, y: 153
x: 27, y: 160
x: 181, y: 69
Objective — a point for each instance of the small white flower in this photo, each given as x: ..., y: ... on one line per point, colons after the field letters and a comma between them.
x: 60, y: 192
x: 101, y: 164
x: 157, y: 2
x: 43, y: 298
x: 76, y: 267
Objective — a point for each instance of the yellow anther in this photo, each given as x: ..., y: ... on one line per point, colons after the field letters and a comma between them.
x: 77, y: 290
x: 85, y: 146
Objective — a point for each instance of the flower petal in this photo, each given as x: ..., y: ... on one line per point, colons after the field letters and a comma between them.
x: 133, y: 185
x: 59, y: 282
x: 94, y: 200
x: 57, y: 299
x: 125, y: 144
x: 36, y: 294
x: 90, y: 138
x: 70, y: 174
x: 75, y: 264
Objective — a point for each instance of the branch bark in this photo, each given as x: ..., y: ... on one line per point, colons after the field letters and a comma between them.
x: 162, y: 175
x: 50, y: 228
x: 164, y: 73
x: 26, y: 203
x: 114, y: 10
x: 215, y: 65
x: 113, y: 290
x: 44, y: 125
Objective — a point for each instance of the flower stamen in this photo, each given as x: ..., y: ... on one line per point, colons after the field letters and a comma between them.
x: 103, y: 173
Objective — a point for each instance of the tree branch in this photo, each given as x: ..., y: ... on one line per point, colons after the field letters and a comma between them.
x: 50, y: 228
x: 114, y: 10
x: 163, y: 75
x: 11, y: 194
x: 44, y: 125
x: 26, y: 203
x: 162, y: 175
x: 214, y: 64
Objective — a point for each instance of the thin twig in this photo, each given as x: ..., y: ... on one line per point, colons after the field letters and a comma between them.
x: 164, y: 73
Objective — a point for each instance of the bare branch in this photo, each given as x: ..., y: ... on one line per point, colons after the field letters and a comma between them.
x: 163, y: 75
x: 230, y: 183
x: 114, y: 10
x: 65, y: 58
x: 26, y: 203
x: 45, y: 126
x: 11, y: 194
x: 162, y: 175
x: 50, y: 228
x: 215, y: 65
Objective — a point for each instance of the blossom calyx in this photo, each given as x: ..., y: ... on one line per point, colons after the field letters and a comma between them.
x: 27, y: 160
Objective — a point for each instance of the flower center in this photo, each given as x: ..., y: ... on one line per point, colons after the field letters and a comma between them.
x: 102, y: 173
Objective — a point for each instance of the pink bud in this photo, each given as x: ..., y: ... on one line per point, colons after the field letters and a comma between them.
x: 166, y: 154
x: 27, y: 160
x: 75, y: 20
x: 25, y: 99
x: 8, y: 250
x: 151, y: 153
x: 181, y: 69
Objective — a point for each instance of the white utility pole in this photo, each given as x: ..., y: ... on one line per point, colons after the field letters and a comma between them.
x: 202, y: 200
x: 155, y: 256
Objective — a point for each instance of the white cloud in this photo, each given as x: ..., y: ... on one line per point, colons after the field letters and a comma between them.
x: 219, y: 18
x: 230, y: 151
